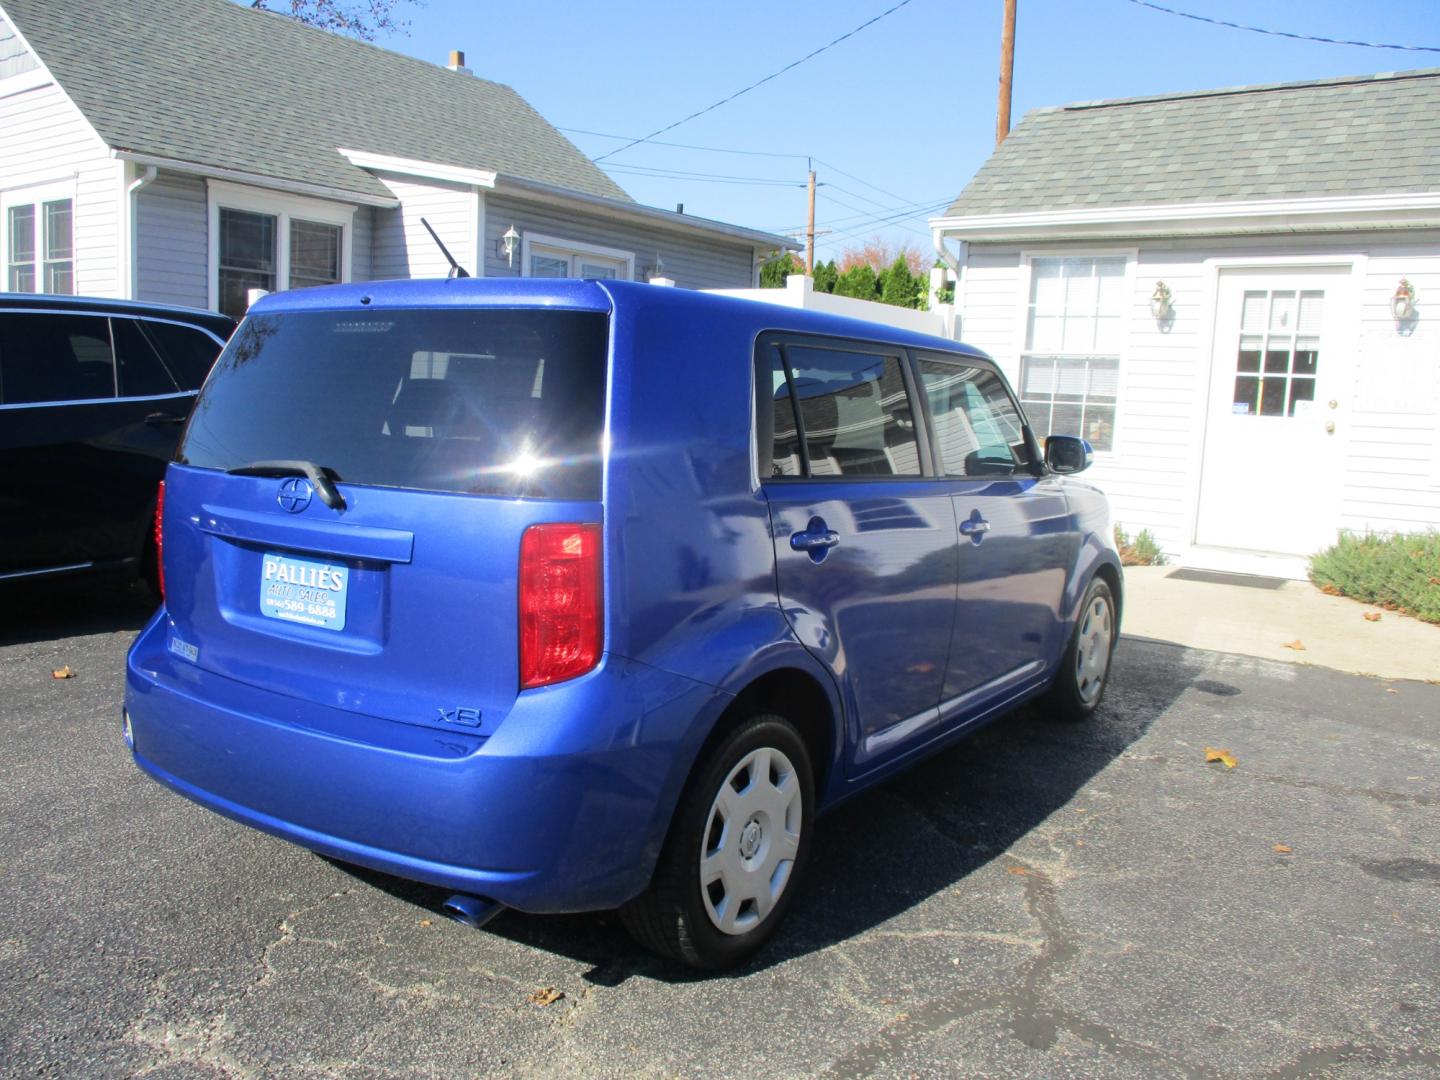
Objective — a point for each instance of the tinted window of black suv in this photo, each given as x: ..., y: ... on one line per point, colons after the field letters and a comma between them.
x: 93, y: 394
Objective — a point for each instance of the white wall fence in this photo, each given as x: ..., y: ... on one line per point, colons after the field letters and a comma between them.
x: 799, y: 292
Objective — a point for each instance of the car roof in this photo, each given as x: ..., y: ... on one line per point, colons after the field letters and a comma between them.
x: 756, y: 317
x: 211, y: 320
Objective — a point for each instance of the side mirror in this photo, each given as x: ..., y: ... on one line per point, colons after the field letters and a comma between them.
x: 1068, y: 454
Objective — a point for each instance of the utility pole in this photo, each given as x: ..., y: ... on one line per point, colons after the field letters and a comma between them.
x: 1007, y: 67
x: 810, y: 231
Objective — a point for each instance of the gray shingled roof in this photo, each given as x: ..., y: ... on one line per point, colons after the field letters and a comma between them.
x: 1368, y: 135
x: 218, y: 84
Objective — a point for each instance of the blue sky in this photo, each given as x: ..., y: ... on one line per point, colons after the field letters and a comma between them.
x: 906, y: 108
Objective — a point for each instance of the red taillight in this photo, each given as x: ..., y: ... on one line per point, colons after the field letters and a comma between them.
x: 160, y: 538
x: 560, y: 609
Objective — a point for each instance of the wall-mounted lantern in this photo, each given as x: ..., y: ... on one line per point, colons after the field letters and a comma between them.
x: 509, y: 244
x: 1402, y: 304
x: 1161, y: 303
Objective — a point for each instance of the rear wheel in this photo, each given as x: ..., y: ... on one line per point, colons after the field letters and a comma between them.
x: 1085, y: 669
x: 737, y: 845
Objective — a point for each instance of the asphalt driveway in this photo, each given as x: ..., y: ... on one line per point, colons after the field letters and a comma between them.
x: 1042, y: 901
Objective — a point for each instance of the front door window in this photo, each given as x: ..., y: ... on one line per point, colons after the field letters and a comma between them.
x: 1279, y: 352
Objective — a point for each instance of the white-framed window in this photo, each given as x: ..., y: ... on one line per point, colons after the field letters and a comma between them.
x: 1074, y: 330
x: 270, y: 241
x: 550, y: 256
x: 37, y: 239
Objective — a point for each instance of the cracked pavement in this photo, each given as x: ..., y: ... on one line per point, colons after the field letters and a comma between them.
x: 1041, y: 901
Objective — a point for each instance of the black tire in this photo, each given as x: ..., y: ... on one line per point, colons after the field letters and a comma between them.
x: 1073, y: 694
x: 672, y: 917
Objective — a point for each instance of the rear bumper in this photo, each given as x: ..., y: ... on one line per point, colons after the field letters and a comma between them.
x: 563, y: 808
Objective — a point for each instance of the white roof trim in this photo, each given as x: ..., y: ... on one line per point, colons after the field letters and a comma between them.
x: 428, y: 170
x: 649, y: 215
x: 274, y: 183
x: 1268, y: 215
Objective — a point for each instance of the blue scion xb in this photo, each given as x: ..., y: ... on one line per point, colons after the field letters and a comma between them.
x: 568, y: 595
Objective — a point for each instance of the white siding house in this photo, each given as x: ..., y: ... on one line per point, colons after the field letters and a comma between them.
x: 152, y: 158
x: 1205, y: 287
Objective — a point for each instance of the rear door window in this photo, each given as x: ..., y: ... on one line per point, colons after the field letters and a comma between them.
x: 55, y: 357
x: 493, y: 401
x: 138, y: 366
x: 976, y: 423
x: 854, y: 413
x: 188, y: 352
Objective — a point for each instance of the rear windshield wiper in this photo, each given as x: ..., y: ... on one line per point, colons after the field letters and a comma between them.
x: 321, y: 479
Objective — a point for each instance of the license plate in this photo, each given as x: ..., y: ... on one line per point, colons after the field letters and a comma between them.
x: 302, y: 591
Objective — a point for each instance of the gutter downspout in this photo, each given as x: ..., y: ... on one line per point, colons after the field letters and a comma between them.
x: 138, y: 185
x: 948, y: 261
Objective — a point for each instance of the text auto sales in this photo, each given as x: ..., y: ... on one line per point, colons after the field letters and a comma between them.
x: 308, y: 582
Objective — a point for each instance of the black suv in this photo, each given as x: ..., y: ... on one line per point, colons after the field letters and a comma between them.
x: 93, y: 394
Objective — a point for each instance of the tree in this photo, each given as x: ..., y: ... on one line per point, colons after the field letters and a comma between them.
x: 900, y: 287
x: 825, y: 276
x: 859, y: 281
x: 879, y: 254
x: 363, y: 19
x: 774, y: 272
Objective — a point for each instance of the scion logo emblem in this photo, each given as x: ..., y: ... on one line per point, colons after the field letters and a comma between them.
x: 295, y: 494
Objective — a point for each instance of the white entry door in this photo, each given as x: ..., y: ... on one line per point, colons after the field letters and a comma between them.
x: 1270, y: 480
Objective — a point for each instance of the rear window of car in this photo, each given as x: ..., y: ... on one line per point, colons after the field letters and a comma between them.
x: 492, y: 402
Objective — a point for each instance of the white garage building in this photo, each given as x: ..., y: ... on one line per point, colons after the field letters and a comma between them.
x: 1226, y: 293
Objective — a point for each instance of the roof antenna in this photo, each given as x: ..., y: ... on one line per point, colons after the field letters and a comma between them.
x: 456, y: 270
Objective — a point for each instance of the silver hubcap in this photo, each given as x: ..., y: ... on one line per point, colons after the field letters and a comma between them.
x: 751, y: 838
x: 1092, y: 652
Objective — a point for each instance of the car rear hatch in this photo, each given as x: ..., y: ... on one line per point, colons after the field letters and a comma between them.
x: 344, y: 520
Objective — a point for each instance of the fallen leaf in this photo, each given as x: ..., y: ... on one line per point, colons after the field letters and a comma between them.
x: 546, y: 995
x: 1331, y: 590
x: 62, y: 673
x: 426, y: 922
x: 1223, y: 756
x: 1282, y: 849
x: 1391, y: 690
x: 1297, y: 645
x: 1372, y: 616
x: 1018, y: 871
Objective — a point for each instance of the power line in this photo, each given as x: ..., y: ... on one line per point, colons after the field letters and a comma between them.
x: 682, y: 174
x: 761, y: 82
x: 683, y: 146
x: 710, y: 179
x: 863, y: 228
x: 1283, y: 33
x: 870, y: 214
x: 857, y: 179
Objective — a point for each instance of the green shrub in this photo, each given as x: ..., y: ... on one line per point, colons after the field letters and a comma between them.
x: 1400, y: 572
x: 1142, y: 551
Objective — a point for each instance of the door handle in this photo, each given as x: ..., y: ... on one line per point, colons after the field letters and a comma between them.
x: 816, y: 540
x: 975, y: 527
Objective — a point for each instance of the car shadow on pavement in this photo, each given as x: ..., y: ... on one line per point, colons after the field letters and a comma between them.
x: 881, y: 854
x: 34, y: 611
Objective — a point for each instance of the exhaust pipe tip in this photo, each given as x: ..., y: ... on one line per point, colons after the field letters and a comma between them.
x: 472, y: 911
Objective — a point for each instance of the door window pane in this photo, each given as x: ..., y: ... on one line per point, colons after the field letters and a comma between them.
x: 21, y: 257
x: 138, y: 367
x: 314, y: 254
x: 1289, y: 353
x: 855, y: 413
x: 55, y: 358
x: 247, y: 257
x: 599, y: 271
x: 976, y: 423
